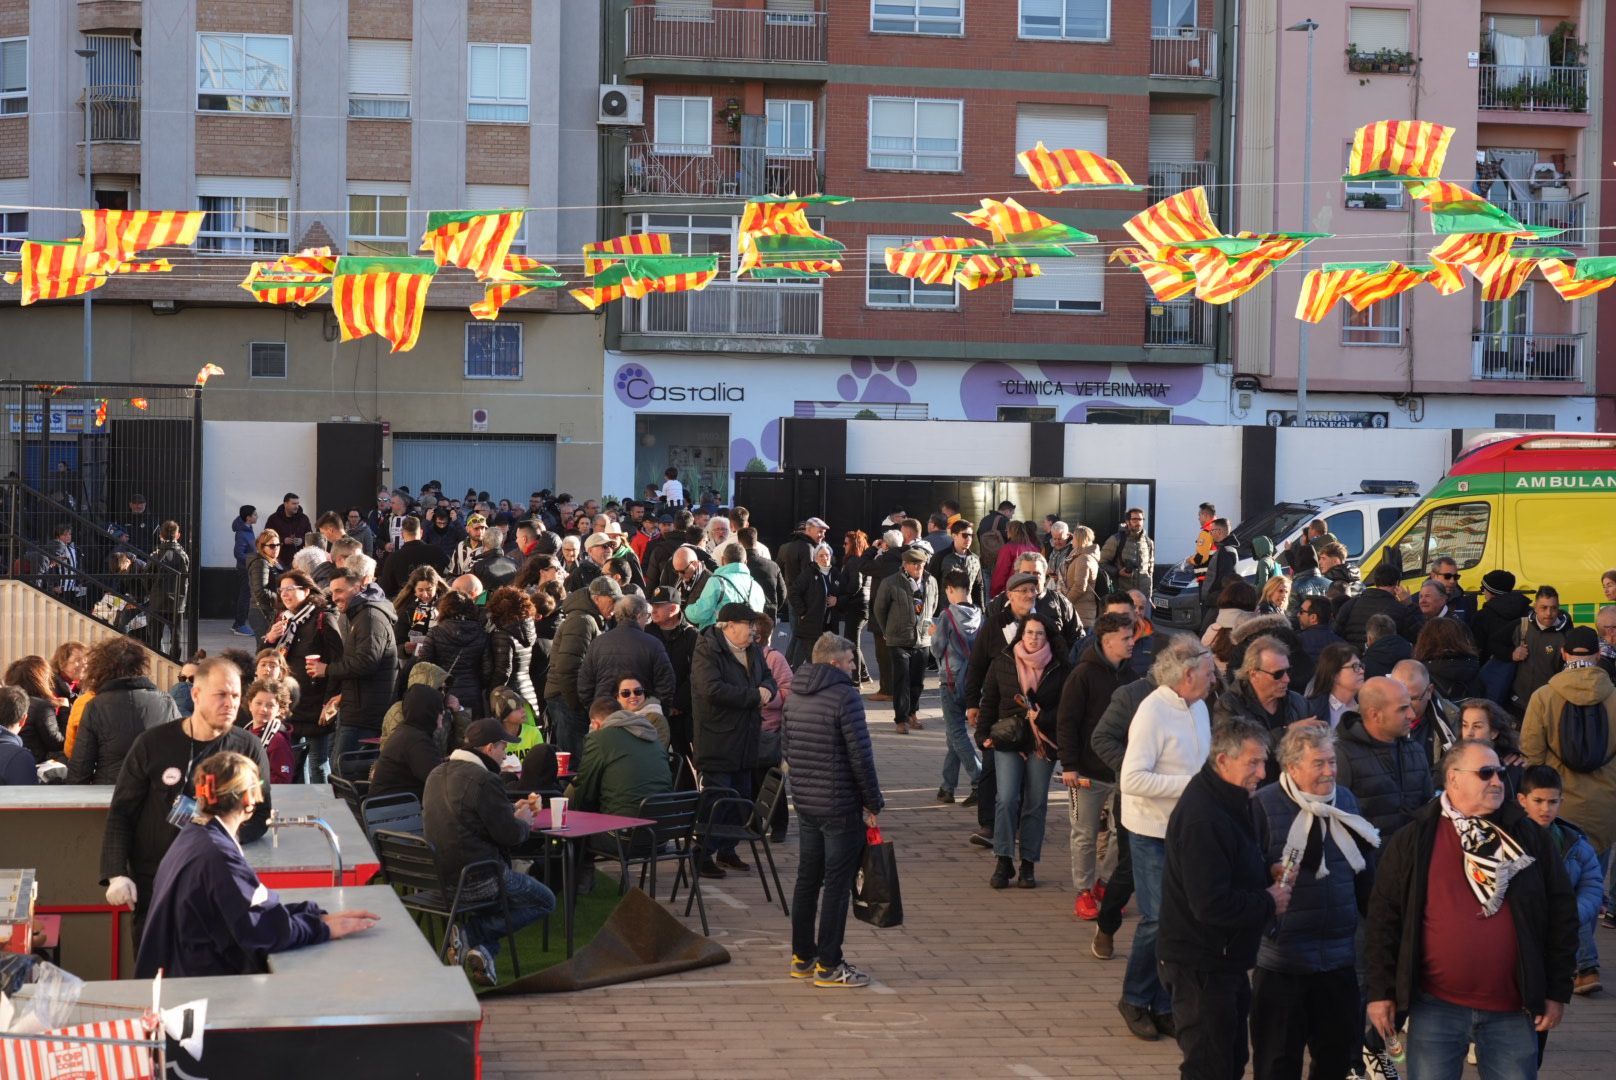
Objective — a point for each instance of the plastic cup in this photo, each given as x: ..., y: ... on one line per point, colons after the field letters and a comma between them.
x: 563, y: 761
x: 558, y: 813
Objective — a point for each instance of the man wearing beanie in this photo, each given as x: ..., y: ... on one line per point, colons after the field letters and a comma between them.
x: 1494, y: 630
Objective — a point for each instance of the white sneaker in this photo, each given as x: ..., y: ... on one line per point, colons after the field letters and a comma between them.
x: 1378, y: 1066
x: 480, y: 966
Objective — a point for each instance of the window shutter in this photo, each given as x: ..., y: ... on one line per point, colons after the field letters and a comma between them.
x: 1080, y: 278
x: 250, y: 187
x: 1521, y: 26
x: 495, y: 196
x: 14, y: 193
x: 794, y: 7
x: 379, y: 67
x: 1172, y: 137
x: 1076, y: 127
x: 1373, y: 29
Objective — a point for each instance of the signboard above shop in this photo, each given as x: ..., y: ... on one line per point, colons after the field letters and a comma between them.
x: 1329, y: 418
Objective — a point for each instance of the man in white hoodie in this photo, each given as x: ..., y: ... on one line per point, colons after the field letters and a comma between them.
x: 1168, y: 742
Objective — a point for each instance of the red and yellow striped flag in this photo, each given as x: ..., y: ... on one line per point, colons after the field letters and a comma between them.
x: 1058, y: 170
x: 383, y: 296
x: 595, y: 255
x: 1168, y: 278
x: 1475, y: 252
x: 53, y: 270
x: 975, y: 271
x: 292, y: 279
x: 1177, y: 218
x: 1508, y: 275
x: 1562, y: 277
x: 1219, y: 279
x: 1445, y: 278
x: 1009, y: 221
x: 932, y: 260
x: 1398, y: 150
x: 520, y: 274
x: 1320, y: 291
x: 1383, y: 285
x: 475, y: 240
x: 593, y: 296
x: 114, y: 236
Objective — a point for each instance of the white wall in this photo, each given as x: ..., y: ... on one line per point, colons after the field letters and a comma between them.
x: 1323, y: 461
x: 1191, y: 464
x: 251, y: 462
x: 938, y: 448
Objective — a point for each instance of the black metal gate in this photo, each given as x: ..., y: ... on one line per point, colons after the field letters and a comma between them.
x: 113, y: 461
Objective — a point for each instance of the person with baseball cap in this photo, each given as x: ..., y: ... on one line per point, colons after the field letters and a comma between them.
x: 468, y: 818
x: 466, y: 553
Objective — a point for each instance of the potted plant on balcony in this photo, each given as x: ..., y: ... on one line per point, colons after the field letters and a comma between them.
x: 1564, y: 48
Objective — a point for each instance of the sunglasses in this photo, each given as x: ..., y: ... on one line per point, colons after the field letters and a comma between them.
x: 1447, y: 577
x: 631, y: 693
x: 1488, y: 773
x: 271, y: 544
x: 1282, y: 673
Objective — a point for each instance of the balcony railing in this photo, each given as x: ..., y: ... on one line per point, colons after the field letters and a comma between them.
x: 1177, y: 324
x: 1533, y: 88
x: 1527, y: 357
x: 668, y: 30
x: 1183, y: 52
x: 720, y: 172
x: 1565, y: 214
x: 114, y: 113
x: 731, y: 309
x: 1168, y: 178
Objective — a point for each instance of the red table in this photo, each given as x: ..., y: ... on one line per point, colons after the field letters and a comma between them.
x: 580, y: 825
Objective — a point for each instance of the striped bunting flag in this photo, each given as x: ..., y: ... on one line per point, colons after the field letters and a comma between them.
x: 1009, y: 221
x: 1175, y: 219
x: 58, y: 269
x: 382, y: 296
x: 1169, y: 277
x: 114, y: 236
x: 475, y: 240
x: 1064, y: 170
x: 292, y: 279
x: 598, y: 255
x: 1398, y: 150
x: 520, y: 275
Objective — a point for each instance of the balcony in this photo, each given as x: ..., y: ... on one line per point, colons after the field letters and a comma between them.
x: 730, y: 309
x: 1566, y: 214
x: 114, y: 113
x: 1168, y: 178
x: 1177, y: 324
x: 1522, y: 88
x: 1183, y: 52
x: 720, y: 172
x: 668, y: 30
x: 1527, y: 357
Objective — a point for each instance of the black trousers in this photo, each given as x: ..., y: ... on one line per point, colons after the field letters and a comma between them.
x: 1118, y: 890
x: 1210, y: 1010
x: 1317, y: 1011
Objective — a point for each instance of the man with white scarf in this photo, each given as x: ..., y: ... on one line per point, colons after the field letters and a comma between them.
x: 1305, y: 990
x: 1472, y: 928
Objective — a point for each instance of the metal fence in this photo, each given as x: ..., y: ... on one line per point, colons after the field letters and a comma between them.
x: 743, y: 310
x: 1533, y: 89
x: 1569, y: 215
x: 113, y: 461
x: 1177, y: 324
x: 720, y: 172
x: 1525, y: 357
x: 114, y: 113
x: 696, y: 31
x: 1168, y: 178
x: 1183, y: 52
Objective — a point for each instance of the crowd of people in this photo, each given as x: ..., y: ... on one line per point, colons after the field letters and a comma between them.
x: 1366, y: 823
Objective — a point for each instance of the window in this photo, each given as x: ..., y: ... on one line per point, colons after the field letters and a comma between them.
x: 498, y: 84
x: 245, y: 216
x: 1374, y: 195
x: 1387, y: 517
x: 684, y: 10
x: 1066, y: 285
x: 244, y: 73
x: 1122, y: 414
x: 1458, y: 532
x: 684, y: 125
x: 1347, y: 527
x: 1067, y: 20
x: 378, y: 219
x: 493, y: 350
x: 691, y: 234
x: 501, y: 197
x: 915, y: 135
x: 1377, y: 324
x: 1171, y: 16
x: 13, y: 76
x: 266, y: 359
x: 379, y: 79
x: 1524, y: 421
x: 944, y: 17
x: 790, y: 128
x: 1027, y: 414
x: 790, y: 12
x: 1082, y: 127
x: 889, y: 290
x: 13, y: 223
x: 1369, y: 30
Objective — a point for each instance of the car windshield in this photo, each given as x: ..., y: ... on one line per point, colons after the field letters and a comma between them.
x: 1276, y: 524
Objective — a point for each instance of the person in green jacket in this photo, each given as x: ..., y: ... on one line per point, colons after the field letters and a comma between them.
x: 624, y: 761
x: 731, y: 583
x: 1262, y: 549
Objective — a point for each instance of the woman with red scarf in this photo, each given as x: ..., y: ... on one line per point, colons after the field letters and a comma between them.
x: 1020, y: 698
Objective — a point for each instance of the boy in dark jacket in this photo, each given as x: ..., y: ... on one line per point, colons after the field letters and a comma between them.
x: 1541, y: 789
x: 826, y: 745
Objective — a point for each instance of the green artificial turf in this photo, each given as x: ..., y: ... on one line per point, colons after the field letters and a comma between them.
x: 591, y: 911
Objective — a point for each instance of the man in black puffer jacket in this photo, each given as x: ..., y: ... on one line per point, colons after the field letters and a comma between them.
x: 623, y: 651
x: 583, y: 618
x: 1217, y: 896
x: 1386, y: 771
x: 367, y: 671
x: 729, y: 685
x: 826, y: 744
x: 1352, y: 620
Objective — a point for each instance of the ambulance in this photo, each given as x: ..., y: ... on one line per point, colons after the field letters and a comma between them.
x: 1541, y: 506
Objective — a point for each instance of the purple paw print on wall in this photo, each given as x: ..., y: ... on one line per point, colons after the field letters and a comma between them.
x: 881, y: 379
x: 767, y: 448
x: 633, y: 383
x: 1184, y: 381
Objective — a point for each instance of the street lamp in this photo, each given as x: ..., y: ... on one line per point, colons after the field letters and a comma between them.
x: 1309, y: 27
x: 89, y: 201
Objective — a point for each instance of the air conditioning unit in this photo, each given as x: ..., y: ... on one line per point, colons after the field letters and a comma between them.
x: 621, y: 105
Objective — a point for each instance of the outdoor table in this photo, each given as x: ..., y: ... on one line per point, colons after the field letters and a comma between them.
x: 580, y: 825
x: 374, y: 740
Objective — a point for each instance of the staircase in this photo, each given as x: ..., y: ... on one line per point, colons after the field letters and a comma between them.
x: 33, y: 623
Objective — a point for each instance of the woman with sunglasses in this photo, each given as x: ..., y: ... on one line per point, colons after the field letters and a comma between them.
x: 262, y: 569
x: 1336, y: 682
x: 305, y: 628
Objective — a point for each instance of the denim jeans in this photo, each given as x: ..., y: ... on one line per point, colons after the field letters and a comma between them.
x: 828, y: 855
x: 741, y: 781
x: 908, y: 667
x: 345, y: 740
x: 1025, y: 780
x: 318, y: 765
x: 529, y: 901
x: 1141, y: 985
x: 1085, y: 805
x: 569, y: 727
x: 1439, y: 1033
x: 961, y: 747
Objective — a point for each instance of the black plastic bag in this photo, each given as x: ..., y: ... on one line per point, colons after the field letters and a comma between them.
x: 876, y: 897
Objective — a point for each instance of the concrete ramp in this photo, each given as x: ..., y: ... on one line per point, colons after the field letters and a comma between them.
x: 34, y: 624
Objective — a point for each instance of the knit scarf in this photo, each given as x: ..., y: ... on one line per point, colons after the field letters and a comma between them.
x: 1030, y: 665
x: 271, y: 729
x: 1340, y: 825
x: 1492, y: 857
x: 294, y: 622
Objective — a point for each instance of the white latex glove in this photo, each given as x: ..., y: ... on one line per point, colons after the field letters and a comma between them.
x: 121, y: 892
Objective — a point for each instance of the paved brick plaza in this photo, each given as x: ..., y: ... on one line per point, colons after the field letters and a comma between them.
x: 977, y: 983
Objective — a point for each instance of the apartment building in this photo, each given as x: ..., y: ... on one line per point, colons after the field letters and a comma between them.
x: 297, y: 124
x: 1522, y: 84
x: 917, y: 109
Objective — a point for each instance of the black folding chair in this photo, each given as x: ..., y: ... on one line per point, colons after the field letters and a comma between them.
x: 351, y: 793
x: 753, y: 828
x: 671, y: 836
x: 399, y: 812
x: 411, y: 868
x: 356, y: 764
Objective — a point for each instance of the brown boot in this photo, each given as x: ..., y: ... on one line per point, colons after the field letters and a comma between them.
x: 914, y: 722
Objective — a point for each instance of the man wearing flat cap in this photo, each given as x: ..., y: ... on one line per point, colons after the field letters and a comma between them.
x: 902, y: 613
